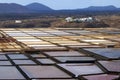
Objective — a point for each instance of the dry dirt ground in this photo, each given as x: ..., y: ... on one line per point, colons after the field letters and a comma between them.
x: 113, y: 20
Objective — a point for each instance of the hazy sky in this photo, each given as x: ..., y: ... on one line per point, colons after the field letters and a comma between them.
x: 67, y: 4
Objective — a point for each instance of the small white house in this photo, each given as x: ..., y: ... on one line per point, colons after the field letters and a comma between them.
x: 83, y: 19
x: 18, y: 21
x: 69, y: 19
x: 90, y: 19
x: 87, y: 19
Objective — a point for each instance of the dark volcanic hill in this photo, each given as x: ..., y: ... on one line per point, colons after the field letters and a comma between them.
x: 38, y: 7
x: 13, y: 8
x: 17, y: 8
x: 101, y: 8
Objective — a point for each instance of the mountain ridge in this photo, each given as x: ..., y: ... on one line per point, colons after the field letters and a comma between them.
x: 100, y: 8
x: 13, y: 8
x: 39, y: 8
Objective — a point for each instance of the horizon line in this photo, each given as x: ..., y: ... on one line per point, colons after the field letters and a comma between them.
x: 60, y: 9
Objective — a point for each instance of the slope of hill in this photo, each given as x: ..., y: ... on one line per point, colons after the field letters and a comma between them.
x: 102, y: 8
x: 17, y: 8
x: 38, y: 7
x: 13, y: 8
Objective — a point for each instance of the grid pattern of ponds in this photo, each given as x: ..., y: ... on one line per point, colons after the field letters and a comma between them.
x: 57, y: 39
x: 59, y: 54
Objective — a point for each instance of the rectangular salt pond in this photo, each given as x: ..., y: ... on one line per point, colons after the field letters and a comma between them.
x: 46, y: 61
x: 24, y: 62
x: 5, y: 73
x: 100, y: 77
x: 63, y: 53
x: 109, y: 53
x: 17, y: 56
x: 74, y: 59
x: 43, y: 72
x: 111, y: 66
x: 81, y: 68
x: 47, y: 48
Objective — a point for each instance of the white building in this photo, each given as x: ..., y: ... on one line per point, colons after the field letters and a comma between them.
x: 69, y: 19
x: 18, y: 21
x: 86, y: 19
